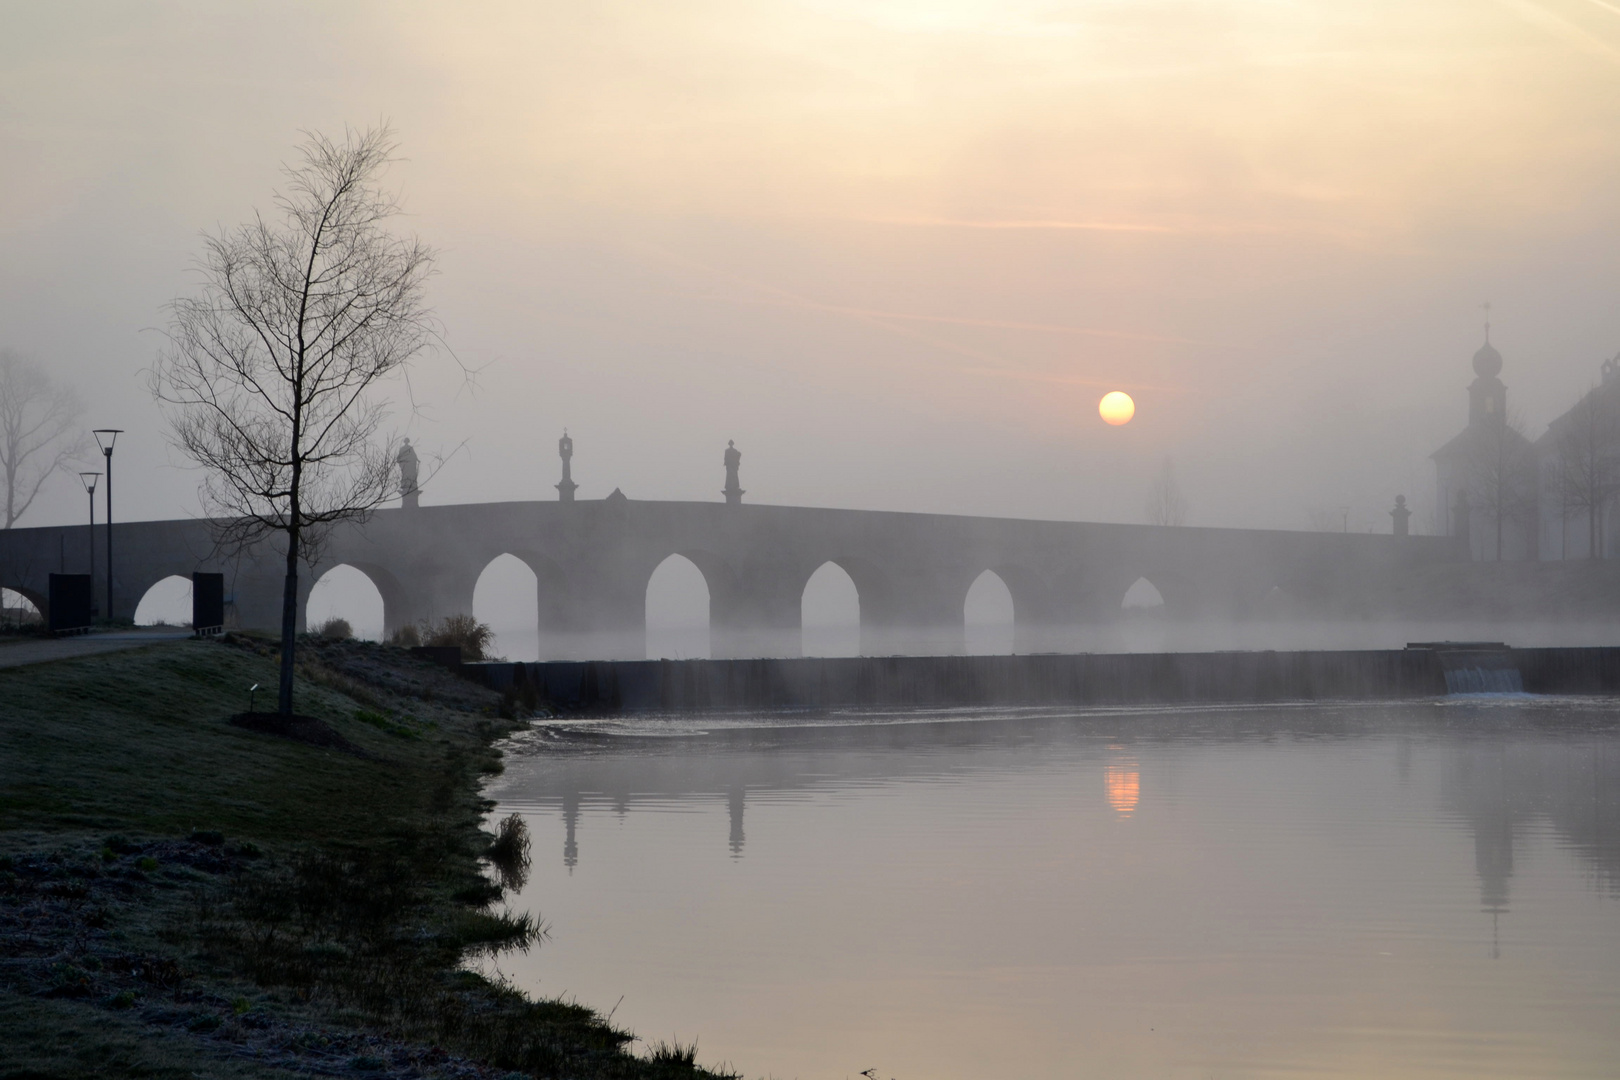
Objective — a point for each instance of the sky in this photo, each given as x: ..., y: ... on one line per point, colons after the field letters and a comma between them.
x: 897, y: 251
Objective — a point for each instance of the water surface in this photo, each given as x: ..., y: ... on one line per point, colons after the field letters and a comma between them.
x: 1418, y: 890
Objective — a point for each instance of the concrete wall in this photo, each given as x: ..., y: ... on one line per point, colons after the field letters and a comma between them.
x: 958, y: 681
x: 1084, y: 680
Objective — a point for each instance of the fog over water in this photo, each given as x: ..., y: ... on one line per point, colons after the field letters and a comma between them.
x: 1421, y: 890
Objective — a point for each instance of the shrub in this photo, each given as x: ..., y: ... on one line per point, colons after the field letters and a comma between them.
x: 335, y: 629
x: 672, y: 1053
x: 509, y: 852
x: 462, y: 631
x: 406, y: 636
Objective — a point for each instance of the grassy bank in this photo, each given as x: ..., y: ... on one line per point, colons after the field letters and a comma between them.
x: 180, y: 896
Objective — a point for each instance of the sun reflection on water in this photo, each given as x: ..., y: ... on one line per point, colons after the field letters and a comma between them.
x: 1123, y: 781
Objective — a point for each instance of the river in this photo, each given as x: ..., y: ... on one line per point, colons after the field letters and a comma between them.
x: 1418, y: 890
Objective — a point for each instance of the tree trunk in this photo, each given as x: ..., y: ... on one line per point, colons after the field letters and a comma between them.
x: 289, y: 626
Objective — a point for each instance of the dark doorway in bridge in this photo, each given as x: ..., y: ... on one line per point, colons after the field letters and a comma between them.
x: 17, y: 611
x: 830, y: 613
x: 987, y: 616
x: 677, y: 611
x: 345, y: 592
x: 506, y: 599
x: 166, y: 603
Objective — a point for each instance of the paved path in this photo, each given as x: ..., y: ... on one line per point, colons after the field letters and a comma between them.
x: 39, y: 650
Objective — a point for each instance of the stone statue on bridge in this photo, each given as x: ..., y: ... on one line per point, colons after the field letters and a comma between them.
x: 1402, y: 516
x: 733, y: 489
x: 408, y: 491
x: 565, y: 450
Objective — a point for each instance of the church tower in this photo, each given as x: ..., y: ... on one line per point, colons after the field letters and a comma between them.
x: 1487, y: 473
x: 1458, y: 463
x: 1487, y: 397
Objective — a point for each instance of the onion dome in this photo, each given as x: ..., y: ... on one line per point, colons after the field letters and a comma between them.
x: 1487, y: 362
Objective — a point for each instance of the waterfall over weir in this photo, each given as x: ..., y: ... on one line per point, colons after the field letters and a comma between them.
x: 1484, y: 680
x: 1476, y: 667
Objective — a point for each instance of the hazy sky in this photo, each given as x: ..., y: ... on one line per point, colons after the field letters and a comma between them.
x: 896, y: 250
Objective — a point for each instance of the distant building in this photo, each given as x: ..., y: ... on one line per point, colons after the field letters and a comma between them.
x: 1579, y: 474
x: 1493, y: 462
x: 1550, y: 498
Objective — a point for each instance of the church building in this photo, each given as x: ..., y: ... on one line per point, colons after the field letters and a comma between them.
x: 1486, y: 477
x: 1510, y: 498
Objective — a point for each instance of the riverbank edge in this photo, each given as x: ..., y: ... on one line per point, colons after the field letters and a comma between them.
x: 178, y: 894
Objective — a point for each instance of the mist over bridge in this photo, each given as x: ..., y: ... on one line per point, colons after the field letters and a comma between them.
x: 593, y: 560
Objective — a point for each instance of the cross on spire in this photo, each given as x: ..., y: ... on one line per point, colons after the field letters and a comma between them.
x: 1487, y: 306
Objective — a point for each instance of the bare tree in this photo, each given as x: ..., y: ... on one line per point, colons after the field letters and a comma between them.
x: 272, y: 369
x: 1588, y: 449
x: 37, y: 422
x: 1326, y: 520
x: 1502, y: 477
x: 1166, y: 505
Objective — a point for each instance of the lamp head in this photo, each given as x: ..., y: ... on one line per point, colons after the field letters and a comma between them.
x: 88, y: 479
x: 105, y: 437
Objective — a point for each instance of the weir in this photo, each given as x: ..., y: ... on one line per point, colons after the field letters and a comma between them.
x: 1421, y: 671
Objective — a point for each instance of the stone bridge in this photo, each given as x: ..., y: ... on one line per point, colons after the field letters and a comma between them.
x: 593, y: 561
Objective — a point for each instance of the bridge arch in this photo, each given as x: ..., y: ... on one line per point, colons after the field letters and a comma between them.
x: 166, y: 602
x: 1142, y: 596
x: 989, y: 614
x: 172, y: 599
x: 1136, y: 589
x: 830, y: 612
x: 354, y: 592
x: 877, y: 600
x: 522, y: 594
x: 678, y: 599
x: 19, y: 606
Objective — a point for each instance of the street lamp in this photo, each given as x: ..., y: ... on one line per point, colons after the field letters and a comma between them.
x: 89, y: 480
x: 105, y: 437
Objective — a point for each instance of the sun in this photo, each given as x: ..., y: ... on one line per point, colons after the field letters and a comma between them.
x: 1116, y: 407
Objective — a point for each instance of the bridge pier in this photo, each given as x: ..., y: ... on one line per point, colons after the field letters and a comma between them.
x: 754, y: 606
x: 253, y: 593
x: 915, y: 613
x: 598, y: 619
x: 592, y: 606
x: 766, y: 623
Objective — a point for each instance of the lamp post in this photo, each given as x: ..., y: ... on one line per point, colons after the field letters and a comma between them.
x: 105, y: 437
x: 88, y: 479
